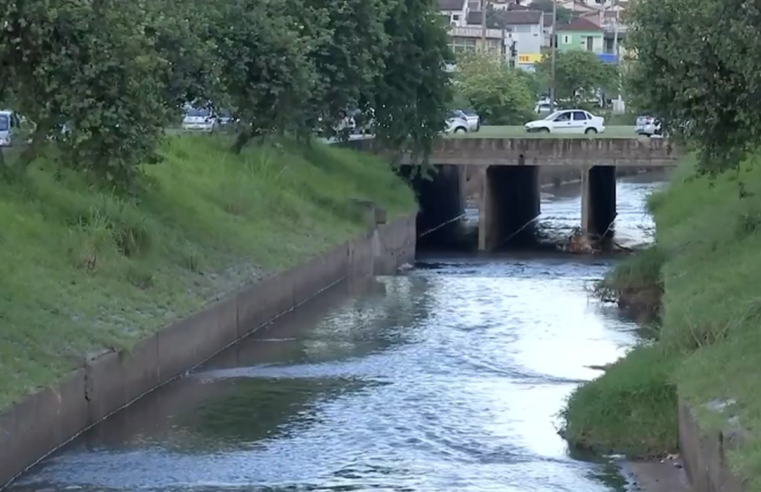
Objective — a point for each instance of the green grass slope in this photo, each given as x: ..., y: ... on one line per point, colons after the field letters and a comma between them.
x: 709, y: 345
x: 82, y: 270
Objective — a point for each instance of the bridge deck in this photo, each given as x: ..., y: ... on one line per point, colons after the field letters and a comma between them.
x: 655, y: 152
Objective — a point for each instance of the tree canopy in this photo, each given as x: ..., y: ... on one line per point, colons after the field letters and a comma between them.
x: 697, y: 64
x: 500, y: 94
x: 101, y: 79
x: 578, y: 75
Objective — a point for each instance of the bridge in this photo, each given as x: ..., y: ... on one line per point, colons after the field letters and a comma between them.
x: 507, y: 173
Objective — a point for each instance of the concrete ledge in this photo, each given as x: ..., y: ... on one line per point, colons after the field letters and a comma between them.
x: 656, y: 152
x: 109, y: 381
x: 704, y: 454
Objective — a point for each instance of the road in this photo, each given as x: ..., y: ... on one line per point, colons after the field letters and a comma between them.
x: 520, y: 132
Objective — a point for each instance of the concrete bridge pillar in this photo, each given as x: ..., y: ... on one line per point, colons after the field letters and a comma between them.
x: 510, y: 200
x: 441, y: 199
x: 598, y: 199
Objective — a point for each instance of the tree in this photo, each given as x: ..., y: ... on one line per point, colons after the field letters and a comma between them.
x: 264, y: 66
x: 408, y: 98
x: 89, y: 68
x: 497, y: 92
x: 578, y: 76
x: 183, y: 32
x: 564, y: 15
x: 347, y: 44
x: 698, y: 65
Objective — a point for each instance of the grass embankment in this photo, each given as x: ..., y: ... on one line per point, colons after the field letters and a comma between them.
x: 82, y: 270
x: 709, y: 344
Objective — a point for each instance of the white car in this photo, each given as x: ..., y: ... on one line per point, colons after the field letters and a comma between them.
x: 457, y: 124
x: 648, y: 126
x: 198, y: 119
x: 474, y: 121
x: 569, y: 121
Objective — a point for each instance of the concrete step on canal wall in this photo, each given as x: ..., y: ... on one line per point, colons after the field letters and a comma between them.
x: 109, y: 381
x: 704, y: 453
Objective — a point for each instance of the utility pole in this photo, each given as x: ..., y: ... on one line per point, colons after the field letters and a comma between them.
x: 554, y: 46
x: 483, y: 24
x: 614, y: 3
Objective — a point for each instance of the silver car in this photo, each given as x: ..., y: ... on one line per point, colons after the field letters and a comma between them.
x: 9, y: 124
x: 474, y: 121
x: 457, y: 124
x: 647, y: 125
x: 198, y: 119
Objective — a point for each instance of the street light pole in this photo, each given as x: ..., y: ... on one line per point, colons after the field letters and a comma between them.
x: 554, y: 46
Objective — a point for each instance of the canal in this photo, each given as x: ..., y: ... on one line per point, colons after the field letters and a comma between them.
x: 449, y: 378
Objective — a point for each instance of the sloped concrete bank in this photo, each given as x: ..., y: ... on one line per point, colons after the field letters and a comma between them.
x: 107, y: 382
x: 704, y: 454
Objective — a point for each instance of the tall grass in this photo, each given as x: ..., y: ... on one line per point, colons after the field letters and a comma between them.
x: 82, y: 270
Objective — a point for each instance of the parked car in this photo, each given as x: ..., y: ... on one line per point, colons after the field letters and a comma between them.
x: 198, y: 119
x: 225, y: 118
x: 542, y: 108
x: 474, y: 121
x: 648, y: 125
x: 9, y: 124
x: 569, y: 121
x: 456, y: 124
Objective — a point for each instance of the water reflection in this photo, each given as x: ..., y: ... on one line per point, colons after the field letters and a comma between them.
x: 449, y: 379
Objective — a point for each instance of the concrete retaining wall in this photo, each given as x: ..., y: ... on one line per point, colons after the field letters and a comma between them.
x: 704, y: 454
x: 109, y: 381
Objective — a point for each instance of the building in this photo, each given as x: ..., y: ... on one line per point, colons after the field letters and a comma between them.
x: 525, y: 28
x: 547, y: 29
x: 581, y: 34
x: 456, y: 11
x: 464, y: 39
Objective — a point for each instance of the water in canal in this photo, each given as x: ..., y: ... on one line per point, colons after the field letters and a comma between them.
x: 446, y: 379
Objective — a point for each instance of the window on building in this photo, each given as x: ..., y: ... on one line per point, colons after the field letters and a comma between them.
x: 460, y: 45
x: 493, y: 45
x: 455, y: 17
x: 566, y: 39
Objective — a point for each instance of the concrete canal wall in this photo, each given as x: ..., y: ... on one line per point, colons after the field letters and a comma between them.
x: 704, y: 454
x: 109, y: 381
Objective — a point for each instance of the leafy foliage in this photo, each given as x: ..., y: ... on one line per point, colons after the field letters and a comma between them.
x: 698, y: 65
x: 265, y: 67
x: 85, y: 73
x: 101, y: 79
x: 578, y: 75
x: 498, y: 93
x: 409, y: 97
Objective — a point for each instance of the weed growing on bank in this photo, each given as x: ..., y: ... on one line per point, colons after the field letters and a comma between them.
x: 635, y: 283
x: 82, y: 270
x: 709, y: 238
x: 631, y: 409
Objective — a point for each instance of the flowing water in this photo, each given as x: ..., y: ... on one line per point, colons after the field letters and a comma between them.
x: 447, y: 379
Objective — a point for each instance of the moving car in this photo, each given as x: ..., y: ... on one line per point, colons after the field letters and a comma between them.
x: 648, y: 125
x: 569, y: 121
x: 456, y: 123
x: 198, y: 119
x: 474, y: 121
